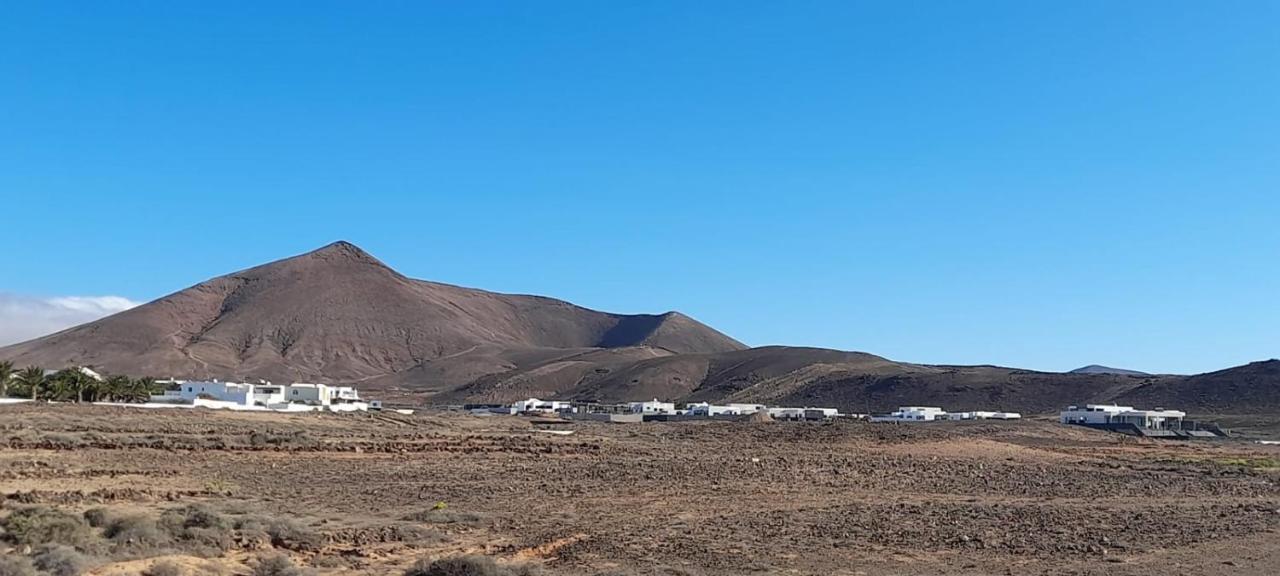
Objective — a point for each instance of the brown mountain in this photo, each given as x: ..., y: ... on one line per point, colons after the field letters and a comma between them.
x: 339, y: 314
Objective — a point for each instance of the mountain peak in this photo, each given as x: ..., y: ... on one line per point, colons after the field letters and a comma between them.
x: 1099, y: 369
x: 343, y: 251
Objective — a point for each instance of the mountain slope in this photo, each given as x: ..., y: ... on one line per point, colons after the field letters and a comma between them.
x: 338, y: 313
x: 1099, y: 369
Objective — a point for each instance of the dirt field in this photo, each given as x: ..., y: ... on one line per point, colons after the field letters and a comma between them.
x: 370, y: 494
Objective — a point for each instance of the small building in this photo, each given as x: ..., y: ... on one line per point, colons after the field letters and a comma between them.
x: 913, y: 414
x: 652, y: 407
x: 980, y: 415
x: 706, y: 409
x: 320, y: 394
x: 542, y: 406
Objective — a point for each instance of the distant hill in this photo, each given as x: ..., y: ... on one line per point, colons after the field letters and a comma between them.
x: 1098, y: 369
x: 338, y: 314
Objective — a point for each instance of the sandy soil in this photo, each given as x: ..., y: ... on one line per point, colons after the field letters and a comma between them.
x: 691, y: 498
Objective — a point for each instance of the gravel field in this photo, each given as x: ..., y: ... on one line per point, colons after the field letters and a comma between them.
x: 371, y: 494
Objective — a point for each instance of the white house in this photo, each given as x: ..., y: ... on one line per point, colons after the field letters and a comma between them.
x: 706, y: 409
x: 913, y: 414
x: 1158, y: 419
x: 980, y: 415
x: 320, y: 394
x: 536, y: 405
x: 782, y: 413
x: 652, y: 407
x: 263, y: 395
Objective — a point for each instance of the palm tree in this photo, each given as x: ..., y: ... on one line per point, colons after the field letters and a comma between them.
x: 72, y: 383
x: 31, y: 379
x: 6, y: 372
x: 116, y: 388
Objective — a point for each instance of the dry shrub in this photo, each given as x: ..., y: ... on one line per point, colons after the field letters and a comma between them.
x: 61, y: 561
x: 470, y: 565
x: 199, y: 529
x: 277, y: 565
x: 135, y: 532
x: 99, y: 517
x: 285, y: 533
x: 165, y: 568
x: 40, y: 525
x: 14, y: 565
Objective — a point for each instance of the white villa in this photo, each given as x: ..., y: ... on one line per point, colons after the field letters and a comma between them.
x: 913, y: 414
x: 980, y: 415
x: 1103, y: 414
x: 263, y: 395
x: 536, y: 405
x: 652, y: 407
x: 706, y: 409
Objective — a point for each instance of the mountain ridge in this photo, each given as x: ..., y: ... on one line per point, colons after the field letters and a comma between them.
x: 339, y: 314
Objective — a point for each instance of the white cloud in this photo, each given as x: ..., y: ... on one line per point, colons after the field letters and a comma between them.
x: 25, y: 317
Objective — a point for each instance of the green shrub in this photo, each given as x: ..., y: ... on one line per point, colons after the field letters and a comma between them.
x: 40, y: 525
x: 290, y: 534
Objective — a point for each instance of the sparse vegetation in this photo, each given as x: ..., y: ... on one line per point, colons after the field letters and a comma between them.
x: 14, y: 565
x: 41, y: 525
x: 277, y: 565
x: 165, y: 568
x: 61, y: 560
x: 135, y: 532
x: 469, y: 565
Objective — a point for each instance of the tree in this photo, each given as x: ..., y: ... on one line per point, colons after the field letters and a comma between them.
x: 6, y: 372
x: 71, y: 383
x: 31, y: 380
x: 116, y: 388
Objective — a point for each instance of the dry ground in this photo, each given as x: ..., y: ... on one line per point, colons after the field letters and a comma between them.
x: 669, y: 498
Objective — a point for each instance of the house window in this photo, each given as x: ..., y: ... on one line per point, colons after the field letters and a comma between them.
x: 190, y: 389
x: 295, y: 392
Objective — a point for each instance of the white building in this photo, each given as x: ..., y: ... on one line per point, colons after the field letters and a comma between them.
x: 263, y: 395
x: 320, y: 394
x: 652, y: 407
x: 913, y: 414
x: 706, y: 409
x: 979, y: 415
x: 1158, y: 419
x: 536, y: 405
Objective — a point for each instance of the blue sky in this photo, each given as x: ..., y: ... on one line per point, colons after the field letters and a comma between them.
x: 1035, y: 184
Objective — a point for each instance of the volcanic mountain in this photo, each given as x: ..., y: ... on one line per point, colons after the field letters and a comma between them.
x: 339, y: 314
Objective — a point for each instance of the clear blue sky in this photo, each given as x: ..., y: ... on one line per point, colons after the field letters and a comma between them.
x: 1035, y: 184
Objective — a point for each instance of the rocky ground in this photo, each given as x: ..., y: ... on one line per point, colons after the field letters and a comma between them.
x: 370, y: 494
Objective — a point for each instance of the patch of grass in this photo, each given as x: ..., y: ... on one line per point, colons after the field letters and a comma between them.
x: 1254, y: 463
x: 41, y: 525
